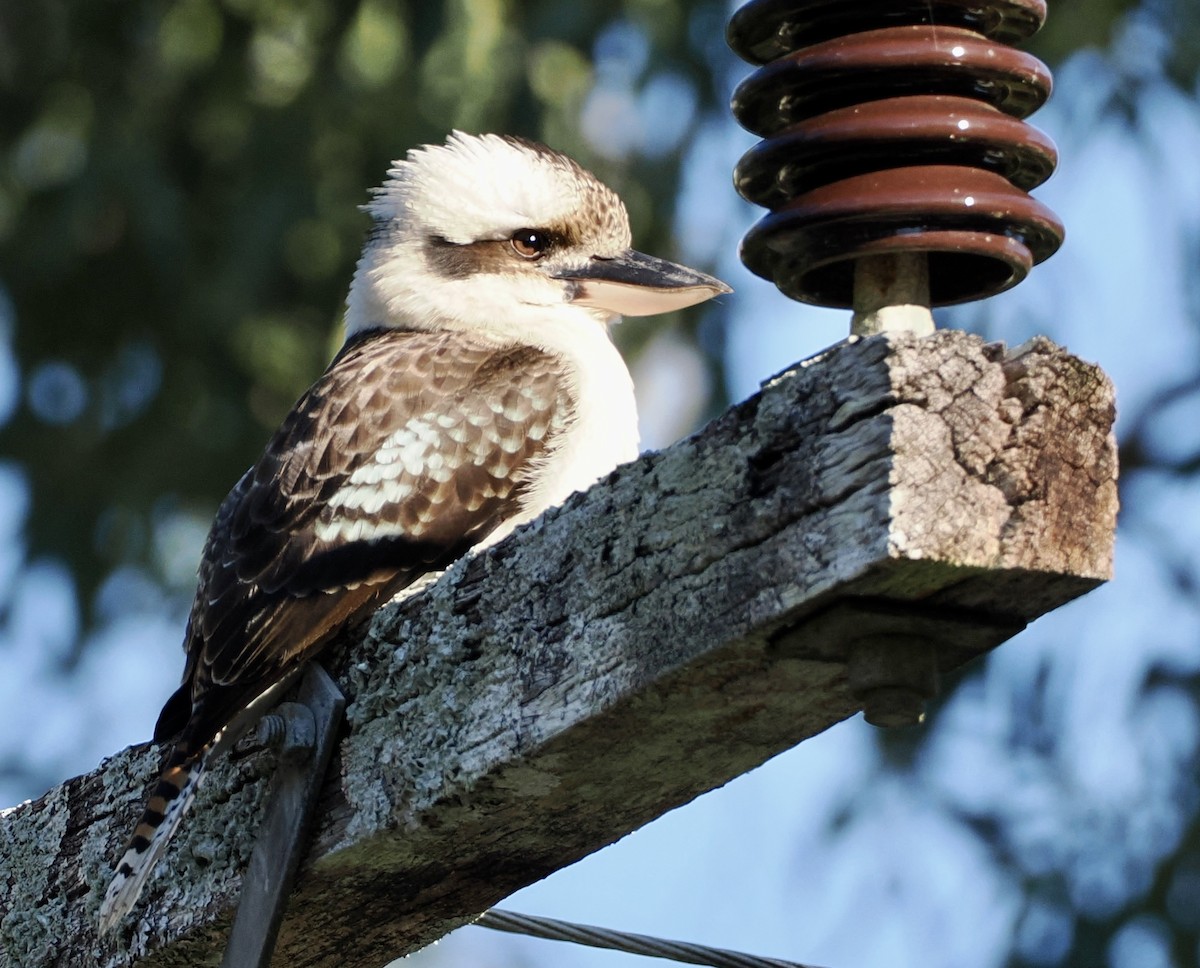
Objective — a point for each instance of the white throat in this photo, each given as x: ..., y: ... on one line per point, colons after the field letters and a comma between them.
x: 605, y: 431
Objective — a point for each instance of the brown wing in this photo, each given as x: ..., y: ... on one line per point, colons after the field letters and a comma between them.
x: 411, y: 448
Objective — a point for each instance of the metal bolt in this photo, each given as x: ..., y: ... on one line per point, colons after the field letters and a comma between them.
x: 890, y: 706
x: 893, y: 676
x: 290, y: 730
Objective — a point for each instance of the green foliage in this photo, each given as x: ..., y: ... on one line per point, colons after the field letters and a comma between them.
x: 178, y: 215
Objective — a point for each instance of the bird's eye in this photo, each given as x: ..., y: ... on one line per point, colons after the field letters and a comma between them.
x: 529, y: 243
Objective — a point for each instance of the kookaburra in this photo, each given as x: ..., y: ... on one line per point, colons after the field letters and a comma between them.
x: 477, y: 386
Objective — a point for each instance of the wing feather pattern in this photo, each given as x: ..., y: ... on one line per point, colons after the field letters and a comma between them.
x: 411, y: 448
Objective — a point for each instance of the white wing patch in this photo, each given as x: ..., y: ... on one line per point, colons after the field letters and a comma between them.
x: 416, y: 464
x: 413, y: 452
x: 408, y: 449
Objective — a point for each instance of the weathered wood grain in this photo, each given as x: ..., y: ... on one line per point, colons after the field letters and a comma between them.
x: 674, y: 627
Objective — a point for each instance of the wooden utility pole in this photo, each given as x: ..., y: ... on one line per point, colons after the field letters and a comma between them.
x: 884, y: 511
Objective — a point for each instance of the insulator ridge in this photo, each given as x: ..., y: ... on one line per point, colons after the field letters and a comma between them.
x: 890, y: 127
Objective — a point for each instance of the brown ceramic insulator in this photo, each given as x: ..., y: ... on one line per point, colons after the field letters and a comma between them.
x: 982, y: 235
x: 929, y: 129
x: 762, y: 30
x: 893, y: 126
x: 896, y: 61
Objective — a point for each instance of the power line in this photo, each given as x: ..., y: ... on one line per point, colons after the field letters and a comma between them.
x: 637, y: 944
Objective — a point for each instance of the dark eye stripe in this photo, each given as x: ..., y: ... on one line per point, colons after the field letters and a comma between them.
x: 457, y: 260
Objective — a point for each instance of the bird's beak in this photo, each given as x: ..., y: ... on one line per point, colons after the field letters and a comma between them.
x: 636, y: 284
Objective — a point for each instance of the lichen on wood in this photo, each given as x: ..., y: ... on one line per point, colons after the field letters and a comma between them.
x: 675, y: 626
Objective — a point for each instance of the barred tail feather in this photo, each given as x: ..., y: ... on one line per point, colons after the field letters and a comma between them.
x: 173, y: 794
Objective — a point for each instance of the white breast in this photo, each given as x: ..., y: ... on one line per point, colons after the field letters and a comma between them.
x: 605, y: 430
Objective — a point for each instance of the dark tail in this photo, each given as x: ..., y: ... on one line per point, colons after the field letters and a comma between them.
x: 172, y: 796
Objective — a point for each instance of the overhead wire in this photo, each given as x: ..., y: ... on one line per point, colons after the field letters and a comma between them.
x: 637, y: 944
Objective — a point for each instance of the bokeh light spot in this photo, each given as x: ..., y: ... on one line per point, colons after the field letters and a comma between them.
x: 1144, y: 942
x: 375, y: 48
x: 57, y: 392
x: 54, y: 149
x: 558, y: 73
x: 189, y: 36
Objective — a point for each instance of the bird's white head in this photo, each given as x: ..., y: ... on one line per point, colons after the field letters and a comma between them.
x: 493, y: 233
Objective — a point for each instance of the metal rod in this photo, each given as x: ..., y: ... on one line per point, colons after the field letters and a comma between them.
x: 891, y: 294
x: 304, y: 749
